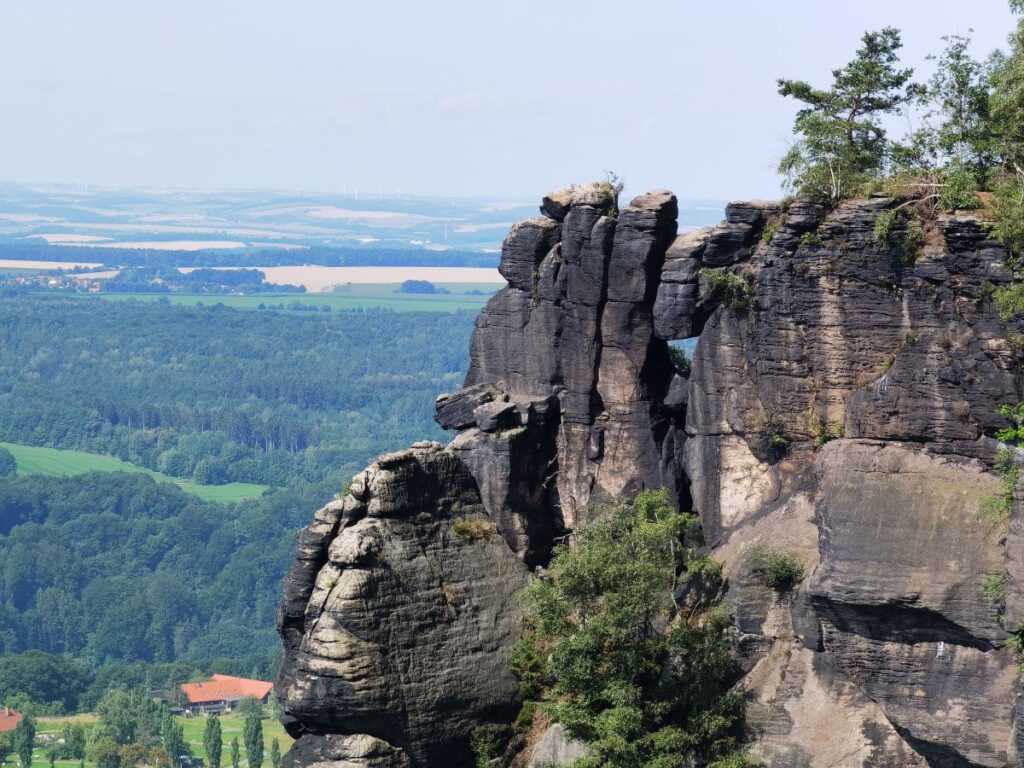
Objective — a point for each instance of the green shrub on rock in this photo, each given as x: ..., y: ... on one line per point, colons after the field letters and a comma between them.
x: 728, y: 286
x: 779, y: 570
x: 618, y: 664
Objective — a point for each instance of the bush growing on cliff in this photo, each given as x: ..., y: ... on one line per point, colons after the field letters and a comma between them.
x: 779, y: 570
x: 619, y: 665
x: 1008, y: 300
x: 732, y: 289
x: 823, y: 432
x: 1014, y: 433
x: 999, y: 505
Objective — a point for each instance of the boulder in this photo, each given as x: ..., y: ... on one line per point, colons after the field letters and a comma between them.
x: 411, y: 610
x: 455, y: 411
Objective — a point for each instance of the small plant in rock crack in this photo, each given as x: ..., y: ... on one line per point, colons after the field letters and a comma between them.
x: 732, y: 289
x: 824, y: 432
x: 779, y: 570
x: 771, y: 434
x: 473, y: 530
x: 994, y: 587
x: 771, y: 228
x: 1016, y: 642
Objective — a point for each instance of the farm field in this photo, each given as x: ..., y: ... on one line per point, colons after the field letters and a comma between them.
x: 384, y: 296
x: 321, y: 279
x: 36, y: 460
x: 231, y: 727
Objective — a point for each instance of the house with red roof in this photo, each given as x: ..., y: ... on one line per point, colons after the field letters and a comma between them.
x: 9, y: 719
x: 223, y: 692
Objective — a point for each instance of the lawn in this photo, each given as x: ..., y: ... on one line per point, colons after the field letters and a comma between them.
x: 230, y: 728
x: 230, y: 724
x: 346, y: 297
x: 36, y: 460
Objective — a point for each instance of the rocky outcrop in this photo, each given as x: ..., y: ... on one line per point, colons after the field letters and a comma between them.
x: 581, y: 331
x: 398, y: 619
x: 840, y: 408
x: 881, y: 370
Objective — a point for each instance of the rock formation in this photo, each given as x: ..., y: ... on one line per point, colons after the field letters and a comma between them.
x: 840, y: 407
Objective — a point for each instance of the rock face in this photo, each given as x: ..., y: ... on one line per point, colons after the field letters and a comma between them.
x: 840, y: 409
x: 577, y: 342
x: 397, y: 619
x: 890, y: 653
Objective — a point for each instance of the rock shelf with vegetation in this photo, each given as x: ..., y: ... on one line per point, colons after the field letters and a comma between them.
x: 849, y: 587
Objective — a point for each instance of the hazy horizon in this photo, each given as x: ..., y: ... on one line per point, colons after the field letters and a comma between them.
x: 465, y: 101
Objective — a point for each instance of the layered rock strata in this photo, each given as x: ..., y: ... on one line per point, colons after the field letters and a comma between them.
x: 840, y: 408
x: 399, y: 615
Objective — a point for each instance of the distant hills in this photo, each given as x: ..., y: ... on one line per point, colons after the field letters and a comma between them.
x: 124, y: 227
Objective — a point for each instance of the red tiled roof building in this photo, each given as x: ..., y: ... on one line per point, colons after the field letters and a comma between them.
x: 9, y: 719
x: 223, y: 692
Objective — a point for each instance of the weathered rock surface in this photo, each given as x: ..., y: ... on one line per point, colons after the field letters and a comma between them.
x: 899, y: 365
x: 840, y: 408
x: 556, y: 749
x: 584, y: 333
x: 398, y: 619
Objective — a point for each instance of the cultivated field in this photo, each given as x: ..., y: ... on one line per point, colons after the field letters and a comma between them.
x: 317, y: 278
x: 45, y: 265
x: 231, y: 727
x: 35, y: 460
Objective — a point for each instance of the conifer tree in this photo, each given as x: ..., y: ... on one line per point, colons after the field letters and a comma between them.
x: 212, y: 741
x: 841, y: 140
x: 253, y: 735
x: 24, y: 740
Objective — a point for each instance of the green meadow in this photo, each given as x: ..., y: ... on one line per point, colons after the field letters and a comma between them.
x: 231, y: 728
x: 36, y: 460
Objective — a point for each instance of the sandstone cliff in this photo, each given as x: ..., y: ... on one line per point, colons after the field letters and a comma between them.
x: 840, y: 407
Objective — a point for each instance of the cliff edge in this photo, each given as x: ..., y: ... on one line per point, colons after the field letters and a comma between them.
x: 839, y: 408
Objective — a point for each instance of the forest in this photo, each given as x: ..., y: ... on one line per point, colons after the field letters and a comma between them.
x: 115, y: 568
x: 221, y: 395
x: 202, y: 280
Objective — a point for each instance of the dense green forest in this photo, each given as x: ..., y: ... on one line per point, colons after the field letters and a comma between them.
x: 221, y: 395
x: 114, y: 567
x: 202, y: 280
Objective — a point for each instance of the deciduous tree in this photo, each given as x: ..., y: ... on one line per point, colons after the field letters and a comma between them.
x: 24, y: 740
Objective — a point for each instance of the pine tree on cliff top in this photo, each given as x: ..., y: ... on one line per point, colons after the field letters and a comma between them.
x: 840, y: 137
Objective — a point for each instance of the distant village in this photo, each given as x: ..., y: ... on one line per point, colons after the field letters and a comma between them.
x: 147, y: 280
x: 50, y: 281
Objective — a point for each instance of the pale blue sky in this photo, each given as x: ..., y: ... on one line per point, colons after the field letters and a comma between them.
x: 440, y: 98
